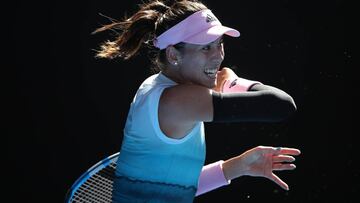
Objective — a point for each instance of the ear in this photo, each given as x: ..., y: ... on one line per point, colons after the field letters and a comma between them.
x: 172, y: 55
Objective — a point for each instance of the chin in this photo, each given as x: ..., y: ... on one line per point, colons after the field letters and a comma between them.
x: 208, y: 83
x: 211, y: 86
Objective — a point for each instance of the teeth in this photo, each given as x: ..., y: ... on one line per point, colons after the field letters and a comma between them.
x: 211, y: 71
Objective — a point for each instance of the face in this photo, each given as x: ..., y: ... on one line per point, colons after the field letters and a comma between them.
x: 199, y: 64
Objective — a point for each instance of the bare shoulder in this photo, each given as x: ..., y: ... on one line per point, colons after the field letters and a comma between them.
x: 184, y: 94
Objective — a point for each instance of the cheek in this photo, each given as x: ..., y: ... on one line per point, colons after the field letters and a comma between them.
x: 194, y: 63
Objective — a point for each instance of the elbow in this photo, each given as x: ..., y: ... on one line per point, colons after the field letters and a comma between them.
x: 286, y: 108
x: 280, y: 107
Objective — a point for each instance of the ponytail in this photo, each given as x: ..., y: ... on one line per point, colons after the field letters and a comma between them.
x: 153, y: 18
x: 133, y: 32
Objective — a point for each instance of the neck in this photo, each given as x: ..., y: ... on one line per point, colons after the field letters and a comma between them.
x: 174, y: 75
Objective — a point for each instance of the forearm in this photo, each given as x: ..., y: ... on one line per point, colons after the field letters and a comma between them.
x: 232, y: 169
x: 219, y: 174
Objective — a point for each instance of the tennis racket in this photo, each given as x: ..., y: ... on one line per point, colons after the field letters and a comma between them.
x: 95, y: 185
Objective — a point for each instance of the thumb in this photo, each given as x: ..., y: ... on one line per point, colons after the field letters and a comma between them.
x: 278, y: 181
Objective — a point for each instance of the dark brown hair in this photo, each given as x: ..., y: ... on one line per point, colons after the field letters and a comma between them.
x: 153, y: 18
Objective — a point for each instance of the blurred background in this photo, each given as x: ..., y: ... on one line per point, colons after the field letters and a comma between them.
x: 65, y: 110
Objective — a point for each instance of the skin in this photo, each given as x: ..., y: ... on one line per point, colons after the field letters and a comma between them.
x: 196, y: 69
x: 183, y: 105
x: 194, y: 61
x: 261, y: 161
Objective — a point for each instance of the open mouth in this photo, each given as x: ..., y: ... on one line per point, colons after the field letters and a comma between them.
x: 211, y: 72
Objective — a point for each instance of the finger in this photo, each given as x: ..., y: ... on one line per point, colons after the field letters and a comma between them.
x: 287, y: 150
x: 278, y: 181
x: 283, y: 158
x: 267, y: 149
x: 282, y: 167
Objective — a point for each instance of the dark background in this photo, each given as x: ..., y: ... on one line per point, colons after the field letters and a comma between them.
x: 67, y: 109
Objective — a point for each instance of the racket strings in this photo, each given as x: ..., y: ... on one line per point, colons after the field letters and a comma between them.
x: 98, y: 188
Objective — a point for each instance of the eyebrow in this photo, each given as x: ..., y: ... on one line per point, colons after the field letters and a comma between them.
x: 221, y: 40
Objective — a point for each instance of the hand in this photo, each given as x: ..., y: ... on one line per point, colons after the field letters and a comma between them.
x: 261, y: 161
x: 222, y: 75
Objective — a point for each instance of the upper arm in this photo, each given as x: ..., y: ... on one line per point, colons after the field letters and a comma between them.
x: 282, y: 95
x: 182, y: 106
x: 188, y: 103
x: 262, y: 103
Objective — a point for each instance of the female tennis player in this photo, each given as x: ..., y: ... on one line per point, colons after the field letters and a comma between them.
x: 162, y: 154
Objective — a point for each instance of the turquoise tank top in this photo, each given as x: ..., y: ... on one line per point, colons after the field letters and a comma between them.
x: 152, y: 166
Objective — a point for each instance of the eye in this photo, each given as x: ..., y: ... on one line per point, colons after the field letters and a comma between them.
x: 206, y: 48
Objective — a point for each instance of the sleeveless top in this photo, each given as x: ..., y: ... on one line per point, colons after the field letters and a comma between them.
x: 151, y: 166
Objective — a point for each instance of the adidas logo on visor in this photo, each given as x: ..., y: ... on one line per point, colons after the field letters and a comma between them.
x: 210, y: 18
